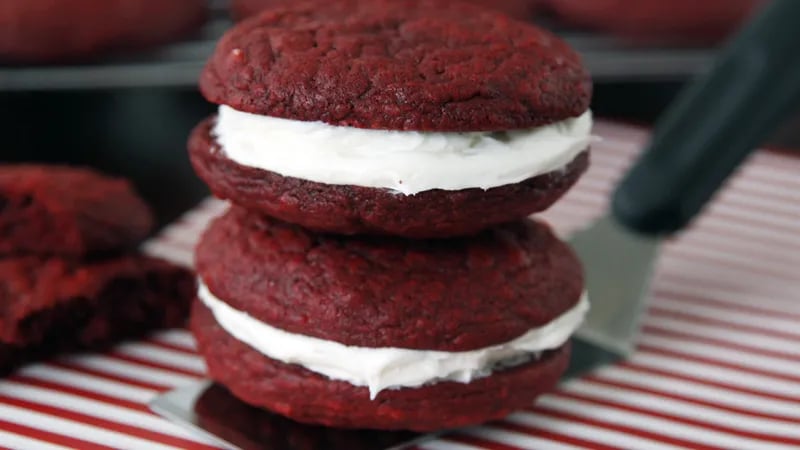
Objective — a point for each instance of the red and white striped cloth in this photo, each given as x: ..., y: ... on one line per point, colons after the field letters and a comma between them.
x: 717, y: 366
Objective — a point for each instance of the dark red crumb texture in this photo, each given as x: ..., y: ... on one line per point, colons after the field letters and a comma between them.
x: 47, y: 31
x: 305, y: 396
x: 52, y: 304
x: 68, y: 211
x: 347, y: 209
x: 451, y: 295
x: 397, y: 64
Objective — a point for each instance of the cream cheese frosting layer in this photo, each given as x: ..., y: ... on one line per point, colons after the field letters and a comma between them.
x: 388, y: 367
x: 408, y: 162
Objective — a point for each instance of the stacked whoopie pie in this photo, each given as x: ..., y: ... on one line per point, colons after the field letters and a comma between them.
x: 376, y: 268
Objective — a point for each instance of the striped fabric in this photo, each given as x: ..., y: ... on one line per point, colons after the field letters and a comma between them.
x: 717, y: 365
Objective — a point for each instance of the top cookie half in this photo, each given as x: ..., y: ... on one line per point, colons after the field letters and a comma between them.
x: 412, y: 65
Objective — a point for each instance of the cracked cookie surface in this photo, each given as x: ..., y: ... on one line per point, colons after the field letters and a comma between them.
x: 401, y: 65
x: 444, y: 294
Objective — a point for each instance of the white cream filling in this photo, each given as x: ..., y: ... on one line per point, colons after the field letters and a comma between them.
x: 404, y: 161
x: 387, y: 367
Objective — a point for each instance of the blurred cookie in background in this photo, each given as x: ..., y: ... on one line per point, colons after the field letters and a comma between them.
x: 655, y: 21
x: 58, y: 31
x: 241, y: 9
x: 518, y: 9
x: 68, y: 211
x: 71, y: 275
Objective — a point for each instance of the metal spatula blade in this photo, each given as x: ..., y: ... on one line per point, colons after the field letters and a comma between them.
x: 706, y: 134
x: 619, y: 266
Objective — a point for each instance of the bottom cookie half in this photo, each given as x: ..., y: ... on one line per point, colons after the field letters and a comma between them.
x: 304, y: 396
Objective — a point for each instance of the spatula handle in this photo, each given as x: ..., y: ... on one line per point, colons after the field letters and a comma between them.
x: 715, y: 124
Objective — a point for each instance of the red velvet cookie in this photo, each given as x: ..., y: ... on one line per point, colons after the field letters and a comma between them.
x: 53, y: 304
x: 449, y: 295
x: 446, y: 295
x: 419, y: 65
x: 348, y: 209
x: 43, y: 31
x: 50, y: 210
x: 518, y: 9
x: 657, y: 21
x: 305, y: 396
x: 419, y: 71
